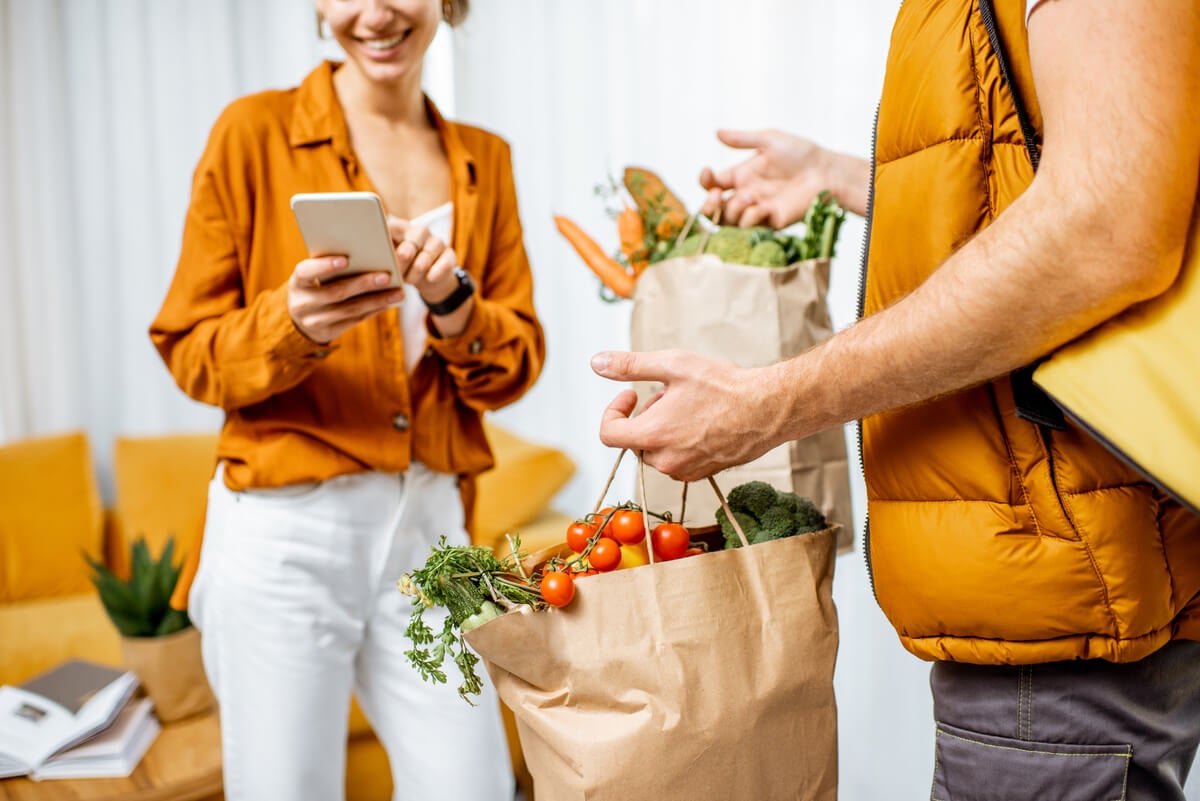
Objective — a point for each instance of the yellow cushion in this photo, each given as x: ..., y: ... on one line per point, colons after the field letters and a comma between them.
x: 50, y: 514
x: 37, y: 635
x: 519, y: 488
x: 161, y: 486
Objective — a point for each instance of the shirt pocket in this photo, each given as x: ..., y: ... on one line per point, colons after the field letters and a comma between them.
x: 983, y: 767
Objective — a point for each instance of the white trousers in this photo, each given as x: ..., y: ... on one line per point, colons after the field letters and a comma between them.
x: 296, y: 597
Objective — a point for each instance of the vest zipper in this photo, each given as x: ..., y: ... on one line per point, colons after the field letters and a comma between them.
x: 862, y: 302
x: 988, y: 15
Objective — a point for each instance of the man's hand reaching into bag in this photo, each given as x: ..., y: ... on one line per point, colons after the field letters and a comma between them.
x: 776, y: 185
x: 709, y: 416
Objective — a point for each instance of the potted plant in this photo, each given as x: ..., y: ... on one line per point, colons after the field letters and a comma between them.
x: 158, y: 643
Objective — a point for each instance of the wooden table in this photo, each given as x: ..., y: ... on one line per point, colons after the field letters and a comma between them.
x: 183, y: 764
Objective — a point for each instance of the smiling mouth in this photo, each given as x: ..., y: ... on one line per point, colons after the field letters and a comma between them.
x: 383, y: 44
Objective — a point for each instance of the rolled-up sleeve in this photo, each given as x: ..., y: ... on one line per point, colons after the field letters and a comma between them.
x: 500, y: 353
x: 220, y: 349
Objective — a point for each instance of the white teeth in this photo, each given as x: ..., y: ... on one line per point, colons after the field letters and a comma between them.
x: 384, y: 44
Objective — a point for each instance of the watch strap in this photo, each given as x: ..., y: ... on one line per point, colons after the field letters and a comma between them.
x: 451, y: 303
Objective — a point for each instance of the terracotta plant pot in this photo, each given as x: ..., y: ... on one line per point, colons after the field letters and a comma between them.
x: 171, y: 672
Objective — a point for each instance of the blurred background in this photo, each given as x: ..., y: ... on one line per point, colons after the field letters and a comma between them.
x: 105, y: 106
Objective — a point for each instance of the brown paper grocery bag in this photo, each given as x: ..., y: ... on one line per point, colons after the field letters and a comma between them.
x: 752, y: 316
x: 709, y: 677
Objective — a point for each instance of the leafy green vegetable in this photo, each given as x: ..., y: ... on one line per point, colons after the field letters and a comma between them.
x: 763, y: 247
x: 472, y: 584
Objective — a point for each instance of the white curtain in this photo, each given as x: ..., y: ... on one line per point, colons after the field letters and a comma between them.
x: 106, y: 105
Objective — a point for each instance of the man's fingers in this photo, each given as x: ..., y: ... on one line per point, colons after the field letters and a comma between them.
x: 711, y: 179
x: 753, y: 215
x: 714, y: 202
x: 623, y: 366
x: 736, y: 206
x: 616, y: 419
x: 743, y: 140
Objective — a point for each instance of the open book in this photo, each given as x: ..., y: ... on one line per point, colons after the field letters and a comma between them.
x: 113, y: 753
x: 58, y: 709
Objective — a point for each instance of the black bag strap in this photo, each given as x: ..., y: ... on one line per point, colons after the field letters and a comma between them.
x: 1031, y: 402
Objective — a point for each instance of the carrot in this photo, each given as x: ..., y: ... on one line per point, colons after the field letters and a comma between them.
x: 651, y: 195
x: 612, y: 274
x: 632, y: 232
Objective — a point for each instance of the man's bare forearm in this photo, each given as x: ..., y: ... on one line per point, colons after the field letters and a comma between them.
x: 1014, y: 293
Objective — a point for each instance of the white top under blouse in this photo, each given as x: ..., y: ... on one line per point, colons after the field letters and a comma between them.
x: 412, y: 311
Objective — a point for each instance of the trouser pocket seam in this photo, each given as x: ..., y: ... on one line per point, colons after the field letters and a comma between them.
x: 1126, y: 755
x: 1025, y: 768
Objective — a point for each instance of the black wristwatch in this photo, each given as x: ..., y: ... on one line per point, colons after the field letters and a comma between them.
x: 450, y: 304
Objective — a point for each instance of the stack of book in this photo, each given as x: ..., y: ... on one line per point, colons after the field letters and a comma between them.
x: 76, y: 721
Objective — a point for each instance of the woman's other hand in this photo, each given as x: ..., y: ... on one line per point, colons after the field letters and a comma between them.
x: 323, y: 306
x: 777, y: 184
x: 425, y: 261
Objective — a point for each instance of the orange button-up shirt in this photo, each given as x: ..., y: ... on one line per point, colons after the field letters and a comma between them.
x: 298, y: 411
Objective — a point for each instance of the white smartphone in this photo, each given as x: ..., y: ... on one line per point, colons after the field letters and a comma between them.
x: 347, y: 223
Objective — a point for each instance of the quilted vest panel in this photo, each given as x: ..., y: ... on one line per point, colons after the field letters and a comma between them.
x: 991, y: 539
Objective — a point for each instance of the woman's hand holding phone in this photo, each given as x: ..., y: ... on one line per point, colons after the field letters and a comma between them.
x: 323, y: 305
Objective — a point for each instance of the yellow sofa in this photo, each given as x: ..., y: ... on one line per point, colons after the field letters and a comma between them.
x: 51, y: 513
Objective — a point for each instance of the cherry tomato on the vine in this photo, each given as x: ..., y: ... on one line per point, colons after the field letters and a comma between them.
x: 558, y: 589
x: 628, y: 528
x: 605, y: 555
x: 670, y: 541
x: 578, y: 534
x: 694, y: 551
x: 599, y: 517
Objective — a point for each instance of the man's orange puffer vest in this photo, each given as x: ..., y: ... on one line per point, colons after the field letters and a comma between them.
x: 991, y: 539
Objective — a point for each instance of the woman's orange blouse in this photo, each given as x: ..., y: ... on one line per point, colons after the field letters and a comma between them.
x: 298, y: 411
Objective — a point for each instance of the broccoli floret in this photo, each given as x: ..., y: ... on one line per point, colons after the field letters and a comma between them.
x: 775, y: 524
x: 688, y: 247
x: 731, y: 245
x: 755, y: 497
x: 749, y: 528
x: 768, y: 254
x: 767, y: 514
x: 804, y: 512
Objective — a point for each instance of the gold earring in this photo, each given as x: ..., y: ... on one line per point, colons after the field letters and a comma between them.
x: 447, y: 10
x: 322, y: 31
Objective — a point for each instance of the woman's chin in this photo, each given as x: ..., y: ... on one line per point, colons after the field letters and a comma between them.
x: 385, y: 72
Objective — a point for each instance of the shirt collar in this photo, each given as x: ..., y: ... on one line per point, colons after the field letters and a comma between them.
x: 318, y: 118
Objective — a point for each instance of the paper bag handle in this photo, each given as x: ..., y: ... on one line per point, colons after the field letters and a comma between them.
x: 683, y: 505
x: 687, y: 228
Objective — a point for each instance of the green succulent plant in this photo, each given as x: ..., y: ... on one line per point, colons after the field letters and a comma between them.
x: 140, y: 606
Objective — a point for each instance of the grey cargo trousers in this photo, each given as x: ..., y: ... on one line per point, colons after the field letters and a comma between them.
x: 1068, y: 731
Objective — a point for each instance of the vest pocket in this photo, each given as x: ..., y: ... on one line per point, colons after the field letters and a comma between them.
x: 983, y: 767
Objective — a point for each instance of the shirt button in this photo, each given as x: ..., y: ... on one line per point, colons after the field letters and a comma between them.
x: 400, y: 422
x: 320, y: 354
x: 476, y: 346
x: 429, y: 352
